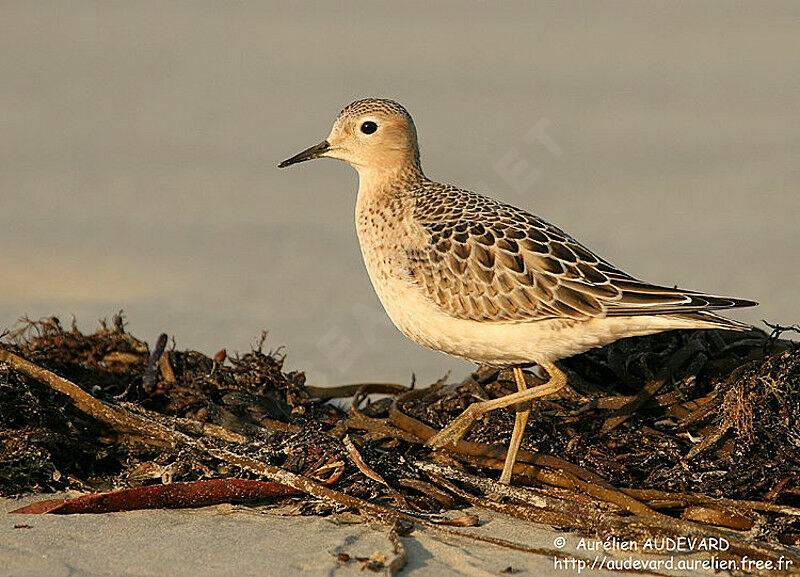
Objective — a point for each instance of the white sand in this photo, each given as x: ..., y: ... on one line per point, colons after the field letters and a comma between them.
x: 241, y: 542
x: 215, y: 541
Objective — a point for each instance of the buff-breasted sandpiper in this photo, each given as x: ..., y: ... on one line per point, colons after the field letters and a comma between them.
x: 482, y: 280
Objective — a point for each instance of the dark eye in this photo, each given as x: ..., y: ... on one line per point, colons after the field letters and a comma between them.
x: 369, y: 127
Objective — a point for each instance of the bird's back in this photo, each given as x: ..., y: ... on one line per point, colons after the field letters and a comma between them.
x: 492, y: 262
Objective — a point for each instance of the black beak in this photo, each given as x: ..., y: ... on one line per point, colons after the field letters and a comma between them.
x: 308, y: 154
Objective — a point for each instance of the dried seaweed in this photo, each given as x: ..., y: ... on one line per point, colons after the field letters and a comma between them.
x: 682, y: 432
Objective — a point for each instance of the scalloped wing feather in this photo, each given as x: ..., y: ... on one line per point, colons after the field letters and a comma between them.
x: 488, y: 261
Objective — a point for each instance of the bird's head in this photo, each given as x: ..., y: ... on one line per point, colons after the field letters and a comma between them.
x: 373, y: 135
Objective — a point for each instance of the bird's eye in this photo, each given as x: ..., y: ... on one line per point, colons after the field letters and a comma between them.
x: 369, y: 127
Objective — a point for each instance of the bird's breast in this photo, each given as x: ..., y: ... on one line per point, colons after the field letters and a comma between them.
x: 383, y: 236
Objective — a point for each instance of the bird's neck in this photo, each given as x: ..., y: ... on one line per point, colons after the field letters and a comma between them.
x: 381, y: 181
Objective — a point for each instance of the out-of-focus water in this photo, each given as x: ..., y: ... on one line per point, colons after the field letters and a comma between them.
x: 138, y: 144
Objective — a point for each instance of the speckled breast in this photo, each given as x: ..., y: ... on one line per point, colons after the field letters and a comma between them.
x: 386, y: 232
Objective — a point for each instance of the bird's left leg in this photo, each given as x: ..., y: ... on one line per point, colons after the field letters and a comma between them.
x: 519, y: 428
x: 456, y: 430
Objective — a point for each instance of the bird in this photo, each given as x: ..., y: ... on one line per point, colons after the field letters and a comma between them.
x: 476, y: 278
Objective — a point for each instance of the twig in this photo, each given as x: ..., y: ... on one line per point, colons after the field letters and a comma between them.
x: 684, y: 499
x: 119, y: 420
x: 151, y: 373
x: 629, y: 408
x: 377, y: 428
x: 364, y: 468
x: 346, y: 391
x: 778, y: 329
x: 188, y: 426
x: 445, y: 499
x: 166, y: 368
x: 553, y: 512
x: 398, y: 561
x: 710, y: 439
x: 714, y: 516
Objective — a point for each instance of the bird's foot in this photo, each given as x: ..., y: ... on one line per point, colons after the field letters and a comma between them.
x: 456, y: 430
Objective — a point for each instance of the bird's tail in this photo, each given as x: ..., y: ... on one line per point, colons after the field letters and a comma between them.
x: 709, y: 320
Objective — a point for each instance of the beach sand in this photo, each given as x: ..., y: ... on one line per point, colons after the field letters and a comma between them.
x: 241, y: 542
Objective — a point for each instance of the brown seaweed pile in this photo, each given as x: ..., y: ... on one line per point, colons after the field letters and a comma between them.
x: 46, y: 444
x: 674, y: 433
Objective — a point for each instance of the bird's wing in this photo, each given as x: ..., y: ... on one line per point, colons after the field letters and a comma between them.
x: 488, y: 261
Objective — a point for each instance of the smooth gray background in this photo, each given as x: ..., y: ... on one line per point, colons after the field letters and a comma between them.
x: 138, y: 144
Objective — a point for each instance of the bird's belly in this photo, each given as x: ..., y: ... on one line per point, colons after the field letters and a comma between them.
x: 422, y: 321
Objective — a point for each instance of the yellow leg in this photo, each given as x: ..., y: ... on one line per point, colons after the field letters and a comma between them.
x: 519, y: 428
x: 456, y: 430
